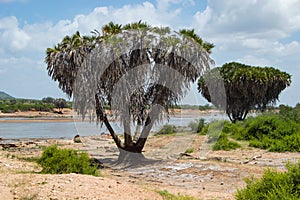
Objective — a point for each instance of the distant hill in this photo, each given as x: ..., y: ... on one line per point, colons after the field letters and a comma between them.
x: 3, y: 95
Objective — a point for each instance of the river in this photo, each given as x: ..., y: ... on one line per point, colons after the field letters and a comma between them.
x: 57, y: 129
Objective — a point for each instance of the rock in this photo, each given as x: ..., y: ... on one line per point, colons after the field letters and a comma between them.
x: 77, y: 139
x: 255, y: 157
x: 246, y: 161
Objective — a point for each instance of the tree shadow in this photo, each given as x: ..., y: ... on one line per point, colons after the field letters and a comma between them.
x: 128, y: 160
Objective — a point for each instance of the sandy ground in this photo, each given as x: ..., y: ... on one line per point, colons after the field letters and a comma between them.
x: 202, y: 174
x: 216, y: 176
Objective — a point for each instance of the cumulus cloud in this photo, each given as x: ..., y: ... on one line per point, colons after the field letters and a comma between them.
x: 34, y: 37
x: 251, y: 16
x: 14, y: 38
x: 254, y: 31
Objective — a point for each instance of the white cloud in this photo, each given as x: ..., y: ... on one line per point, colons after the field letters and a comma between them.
x: 251, y: 16
x: 34, y: 37
x: 13, y: 38
x: 253, y: 30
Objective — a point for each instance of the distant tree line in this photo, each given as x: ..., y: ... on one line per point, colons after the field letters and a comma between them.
x: 47, y: 104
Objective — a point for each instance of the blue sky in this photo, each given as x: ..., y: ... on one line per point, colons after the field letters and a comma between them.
x: 262, y: 33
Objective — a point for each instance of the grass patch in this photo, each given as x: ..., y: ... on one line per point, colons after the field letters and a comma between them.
x: 30, y: 197
x: 223, y: 143
x: 168, y: 196
x: 189, y: 150
x: 63, y: 161
x: 197, y: 125
x: 167, y: 129
x: 273, y: 185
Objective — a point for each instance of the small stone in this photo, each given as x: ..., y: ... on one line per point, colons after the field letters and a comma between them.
x: 203, y: 188
x: 255, y: 157
x: 246, y: 161
x: 222, y: 183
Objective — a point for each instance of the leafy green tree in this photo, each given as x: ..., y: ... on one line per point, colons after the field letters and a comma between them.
x: 140, y: 71
x: 48, y: 100
x: 246, y: 87
x: 60, y: 103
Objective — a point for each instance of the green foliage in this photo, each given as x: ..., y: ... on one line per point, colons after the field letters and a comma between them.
x: 217, y: 131
x: 288, y: 112
x: 44, y: 105
x: 197, y: 125
x: 62, y: 161
x: 277, y: 132
x: 246, y: 88
x: 189, y: 150
x: 168, y: 196
x: 167, y: 129
x: 14, y: 105
x: 223, y: 143
x: 273, y: 185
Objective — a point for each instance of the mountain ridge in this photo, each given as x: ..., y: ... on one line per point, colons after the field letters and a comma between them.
x: 4, y: 95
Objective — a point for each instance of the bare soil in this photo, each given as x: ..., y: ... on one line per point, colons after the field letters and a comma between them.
x: 216, y: 176
x: 200, y: 173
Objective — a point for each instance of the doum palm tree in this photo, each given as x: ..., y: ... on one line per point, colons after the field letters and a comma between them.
x: 139, y: 71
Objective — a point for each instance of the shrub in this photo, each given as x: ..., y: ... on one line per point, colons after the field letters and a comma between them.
x: 224, y: 143
x: 167, y: 129
x: 275, y: 132
x: 273, y: 185
x: 197, y: 125
x: 61, y: 161
x: 213, y: 130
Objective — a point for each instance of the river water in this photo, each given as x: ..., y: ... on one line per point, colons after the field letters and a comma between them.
x: 57, y: 129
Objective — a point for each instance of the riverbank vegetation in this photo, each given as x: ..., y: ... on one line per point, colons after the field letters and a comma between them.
x: 273, y: 131
x: 273, y: 185
x: 44, y: 105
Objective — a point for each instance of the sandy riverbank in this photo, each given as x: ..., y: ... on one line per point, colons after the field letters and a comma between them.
x: 69, y: 115
x: 216, y: 177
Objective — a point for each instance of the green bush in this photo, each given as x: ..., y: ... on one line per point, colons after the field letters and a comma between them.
x: 167, y: 129
x: 273, y: 185
x: 197, y: 125
x: 213, y: 130
x: 277, y: 132
x: 62, y: 161
x: 224, y: 143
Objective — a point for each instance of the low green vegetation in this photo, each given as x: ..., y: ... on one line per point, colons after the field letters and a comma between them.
x: 13, y: 105
x: 277, y: 132
x: 62, y: 161
x: 168, y: 196
x: 273, y: 131
x: 197, y: 125
x: 167, y: 129
x: 273, y: 185
x: 223, y: 143
x: 189, y: 150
